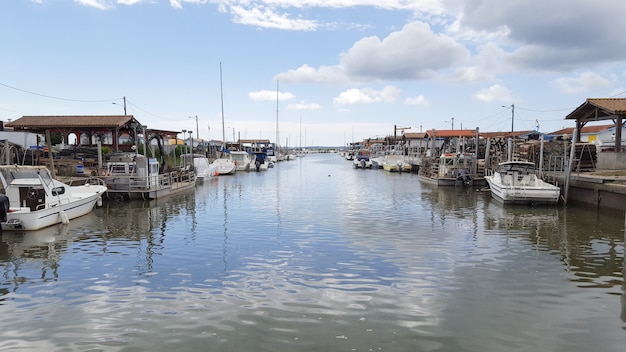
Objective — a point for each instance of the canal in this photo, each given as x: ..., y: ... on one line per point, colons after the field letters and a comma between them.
x: 313, y: 255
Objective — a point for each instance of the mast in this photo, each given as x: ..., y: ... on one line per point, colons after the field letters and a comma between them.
x: 222, y: 101
x: 277, y: 140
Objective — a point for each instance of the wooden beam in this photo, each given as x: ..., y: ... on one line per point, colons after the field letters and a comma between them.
x: 618, y: 134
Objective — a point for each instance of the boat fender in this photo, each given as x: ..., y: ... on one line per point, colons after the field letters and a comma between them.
x: 64, y: 219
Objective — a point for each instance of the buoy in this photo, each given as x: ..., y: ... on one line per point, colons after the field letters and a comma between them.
x: 64, y: 218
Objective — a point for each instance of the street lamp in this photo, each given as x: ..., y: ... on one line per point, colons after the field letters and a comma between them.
x: 134, y: 125
x: 197, y: 128
x: 510, y: 153
x: 512, y: 114
x: 184, y: 145
x: 190, y: 141
x: 145, y: 140
x: 452, y: 122
x: 114, y: 103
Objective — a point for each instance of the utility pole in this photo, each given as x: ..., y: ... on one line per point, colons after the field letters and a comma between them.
x: 197, y: 129
x: 512, y: 116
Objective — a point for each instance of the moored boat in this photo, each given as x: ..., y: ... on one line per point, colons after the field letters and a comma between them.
x: 243, y: 160
x: 224, y: 166
x: 450, y: 169
x: 395, y: 163
x: 133, y: 176
x: 517, y: 182
x: 37, y: 200
x: 362, y: 159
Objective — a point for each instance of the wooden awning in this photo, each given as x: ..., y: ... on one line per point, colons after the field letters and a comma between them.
x: 600, y: 109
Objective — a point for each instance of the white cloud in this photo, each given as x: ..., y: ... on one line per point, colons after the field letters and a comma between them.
x: 547, y: 35
x: 496, y: 92
x: 131, y: 2
x: 97, y: 4
x: 367, y: 96
x: 418, y: 100
x: 268, y: 95
x: 306, y: 73
x: 267, y: 18
x: 303, y: 106
x: 484, y: 66
x: 414, y: 52
x: 585, y: 82
x: 264, y: 13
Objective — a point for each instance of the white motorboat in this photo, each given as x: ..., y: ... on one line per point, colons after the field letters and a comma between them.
x: 362, y: 159
x: 243, y: 160
x: 516, y: 182
x: 202, y: 168
x: 224, y: 166
x: 36, y: 200
x: 396, y: 163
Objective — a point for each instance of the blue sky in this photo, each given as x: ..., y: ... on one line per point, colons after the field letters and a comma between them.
x: 346, y: 69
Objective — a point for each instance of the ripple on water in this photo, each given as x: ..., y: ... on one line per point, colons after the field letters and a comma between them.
x: 293, y: 259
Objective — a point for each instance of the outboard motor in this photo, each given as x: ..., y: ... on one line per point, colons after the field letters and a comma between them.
x: 464, y: 176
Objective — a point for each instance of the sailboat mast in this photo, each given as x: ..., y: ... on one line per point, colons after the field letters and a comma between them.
x: 277, y: 140
x: 222, y: 101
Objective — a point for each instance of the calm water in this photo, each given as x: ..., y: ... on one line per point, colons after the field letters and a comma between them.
x: 316, y: 256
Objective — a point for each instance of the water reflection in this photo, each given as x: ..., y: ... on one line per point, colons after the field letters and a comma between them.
x: 33, y: 256
x: 589, y: 244
x: 315, y: 255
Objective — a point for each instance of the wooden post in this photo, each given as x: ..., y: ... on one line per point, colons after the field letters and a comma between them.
x: 568, y: 172
x: 49, y: 143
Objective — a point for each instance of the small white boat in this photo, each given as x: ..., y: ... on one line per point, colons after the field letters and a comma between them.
x: 224, y: 166
x: 242, y: 159
x: 516, y: 182
x: 202, y: 168
x: 362, y: 159
x: 36, y: 200
x: 396, y: 163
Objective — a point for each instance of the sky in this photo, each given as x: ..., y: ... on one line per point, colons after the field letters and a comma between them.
x: 312, y: 72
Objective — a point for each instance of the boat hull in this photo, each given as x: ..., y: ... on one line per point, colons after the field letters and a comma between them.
x: 25, y: 219
x: 523, y: 195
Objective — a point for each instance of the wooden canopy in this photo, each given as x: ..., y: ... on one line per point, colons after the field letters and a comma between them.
x: 90, y: 125
x: 600, y: 109
x: 38, y: 124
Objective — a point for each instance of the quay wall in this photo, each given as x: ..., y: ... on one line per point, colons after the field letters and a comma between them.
x: 597, y: 191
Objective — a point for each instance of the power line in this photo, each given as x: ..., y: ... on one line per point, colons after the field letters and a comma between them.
x: 57, y: 98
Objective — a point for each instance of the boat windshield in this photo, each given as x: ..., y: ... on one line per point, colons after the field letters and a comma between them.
x: 521, y: 168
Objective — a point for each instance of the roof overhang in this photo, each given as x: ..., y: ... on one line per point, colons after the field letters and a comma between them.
x: 598, y: 109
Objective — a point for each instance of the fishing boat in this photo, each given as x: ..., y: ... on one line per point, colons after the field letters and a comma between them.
x: 395, y: 163
x: 450, y: 169
x: 201, y: 165
x: 243, y: 160
x: 134, y: 176
x: 516, y: 182
x: 362, y: 159
x: 37, y: 200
